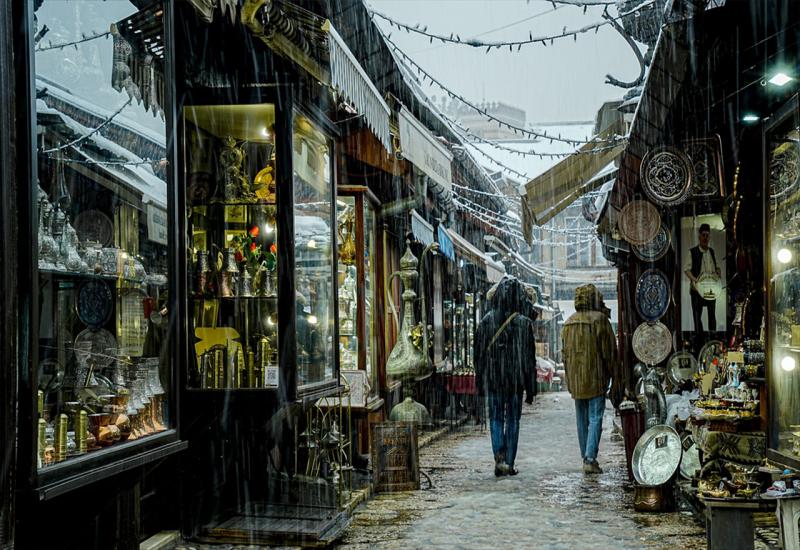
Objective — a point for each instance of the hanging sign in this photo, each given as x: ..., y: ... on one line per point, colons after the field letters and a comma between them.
x: 156, y: 224
x: 418, y: 145
x: 395, y: 462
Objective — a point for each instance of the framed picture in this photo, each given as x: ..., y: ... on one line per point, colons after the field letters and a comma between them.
x: 703, y: 251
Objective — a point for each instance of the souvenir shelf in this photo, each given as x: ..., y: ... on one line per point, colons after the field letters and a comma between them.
x: 357, y: 277
x: 782, y: 183
x: 242, y: 245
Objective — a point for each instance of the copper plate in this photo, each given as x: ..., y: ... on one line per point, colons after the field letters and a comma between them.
x: 666, y: 175
x: 652, y: 343
x: 639, y: 222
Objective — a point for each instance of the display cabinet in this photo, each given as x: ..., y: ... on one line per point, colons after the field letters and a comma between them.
x: 100, y: 326
x: 249, y: 228
x: 357, y: 279
x: 782, y: 236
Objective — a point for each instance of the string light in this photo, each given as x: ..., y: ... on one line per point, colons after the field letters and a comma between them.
x: 152, y: 162
x: 501, y: 123
x: 454, y: 38
x: 74, y: 43
x: 86, y: 136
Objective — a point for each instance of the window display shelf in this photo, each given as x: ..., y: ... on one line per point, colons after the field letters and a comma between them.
x: 104, y: 276
x: 235, y: 298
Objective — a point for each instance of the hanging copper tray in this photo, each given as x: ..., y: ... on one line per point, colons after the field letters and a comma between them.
x: 639, y: 222
x: 652, y: 343
x: 653, y: 293
x: 655, y: 249
x: 666, y: 175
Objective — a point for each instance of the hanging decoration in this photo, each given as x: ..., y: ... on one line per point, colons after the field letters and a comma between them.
x: 653, y: 293
x: 639, y: 222
x: 656, y: 248
x: 666, y: 175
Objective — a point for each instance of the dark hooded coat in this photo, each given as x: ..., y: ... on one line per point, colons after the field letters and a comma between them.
x: 508, y: 366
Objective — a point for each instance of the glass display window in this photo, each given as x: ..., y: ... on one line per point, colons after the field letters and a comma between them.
x: 231, y: 196
x: 103, y: 364
x: 314, y: 253
x: 782, y: 151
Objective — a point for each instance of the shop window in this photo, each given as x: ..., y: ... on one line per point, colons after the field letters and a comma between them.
x: 103, y: 364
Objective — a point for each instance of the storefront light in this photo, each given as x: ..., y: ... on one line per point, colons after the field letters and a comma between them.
x: 264, y: 132
x: 788, y: 363
x: 784, y: 255
x: 780, y: 79
x: 267, y: 229
x: 312, y: 320
x: 312, y: 244
x: 750, y: 117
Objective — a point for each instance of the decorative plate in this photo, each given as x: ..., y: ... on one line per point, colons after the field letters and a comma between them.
x: 709, y: 286
x: 713, y: 349
x: 784, y: 169
x: 652, y: 343
x: 652, y: 295
x: 95, y: 303
x: 666, y: 175
x: 655, y: 249
x: 639, y: 222
x: 706, y: 166
x: 657, y: 456
x: 681, y: 367
x: 100, y: 348
x: 94, y: 226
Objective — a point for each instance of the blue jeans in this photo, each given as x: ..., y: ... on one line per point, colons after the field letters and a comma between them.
x: 589, y: 416
x: 504, y: 414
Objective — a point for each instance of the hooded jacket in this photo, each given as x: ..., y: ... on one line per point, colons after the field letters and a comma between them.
x: 589, y: 346
x: 508, y: 365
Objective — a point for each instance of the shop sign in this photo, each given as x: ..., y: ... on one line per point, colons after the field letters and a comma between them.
x: 395, y: 458
x: 420, y: 147
x: 156, y: 224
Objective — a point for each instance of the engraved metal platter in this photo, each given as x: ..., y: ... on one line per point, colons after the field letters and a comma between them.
x: 656, y: 248
x: 94, y: 226
x: 709, y: 286
x: 95, y: 303
x: 100, y: 342
x: 639, y: 222
x: 784, y: 169
x: 666, y: 175
x: 657, y: 456
x: 653, y: 294
x: 652, y: 343
x: 681, y: 367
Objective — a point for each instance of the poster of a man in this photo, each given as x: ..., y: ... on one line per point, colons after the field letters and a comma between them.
x: 702, y: 259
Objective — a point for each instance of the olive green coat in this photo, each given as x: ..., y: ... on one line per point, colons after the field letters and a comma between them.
x: 590, y: 353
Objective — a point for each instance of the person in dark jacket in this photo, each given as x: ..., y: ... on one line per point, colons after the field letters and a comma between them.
x: 505, y: 364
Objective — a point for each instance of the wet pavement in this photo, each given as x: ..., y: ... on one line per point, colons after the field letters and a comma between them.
x: 550, y: 504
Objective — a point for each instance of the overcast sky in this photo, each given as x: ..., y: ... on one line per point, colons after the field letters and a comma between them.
x: 562, y: 82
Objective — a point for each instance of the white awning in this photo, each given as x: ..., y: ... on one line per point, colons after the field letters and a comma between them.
x: 418, y: 145
x: 422, y: 230
x: 494, y: 270
x: 352, y: 83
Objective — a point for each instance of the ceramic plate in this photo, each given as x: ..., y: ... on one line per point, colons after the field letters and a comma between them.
x: 99, y: 347
x: 681, y: 367
x: 652, y: 343
x: 652, y: 295
x: 709, y: 286
x: 666, y: 175
x: 657, y: 456
x: 655, y: 249
x: 639, y: 222
x: 94, y: 226
x: 95, y: 303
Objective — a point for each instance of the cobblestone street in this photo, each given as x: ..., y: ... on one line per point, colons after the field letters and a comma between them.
x: 550, y: 504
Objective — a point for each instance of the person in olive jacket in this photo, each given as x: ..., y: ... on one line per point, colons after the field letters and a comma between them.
x: 590, y: 356
x: 505, y: 364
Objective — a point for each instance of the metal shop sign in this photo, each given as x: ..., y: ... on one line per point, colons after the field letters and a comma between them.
x: 395, y: 456
x: 156, y: 224
x: 420, y: 147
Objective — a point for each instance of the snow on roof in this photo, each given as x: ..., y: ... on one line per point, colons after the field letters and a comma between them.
x: 530, y: 165
x: 140, y: 177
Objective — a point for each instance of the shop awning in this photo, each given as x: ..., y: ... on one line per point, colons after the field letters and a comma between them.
x: 468, y: 251
x: 422, y: 230
x: 551, y: 192
x: 445, y: 243
x: 418, y: 145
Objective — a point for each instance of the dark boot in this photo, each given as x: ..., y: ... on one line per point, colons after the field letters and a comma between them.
x: 500, y: 466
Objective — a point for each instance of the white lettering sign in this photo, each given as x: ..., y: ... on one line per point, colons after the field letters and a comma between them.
x: 157, y: 224
x: 420, y: 147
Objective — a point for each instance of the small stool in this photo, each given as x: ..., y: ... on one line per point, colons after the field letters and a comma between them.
x: 788, y: 513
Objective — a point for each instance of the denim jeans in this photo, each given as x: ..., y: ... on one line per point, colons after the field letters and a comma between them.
x: 504, y: 414
x: 589, y: 416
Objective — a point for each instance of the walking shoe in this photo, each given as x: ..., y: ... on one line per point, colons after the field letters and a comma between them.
x: 500, y: 466
x: 591, y: 467
x: 512, y: 471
